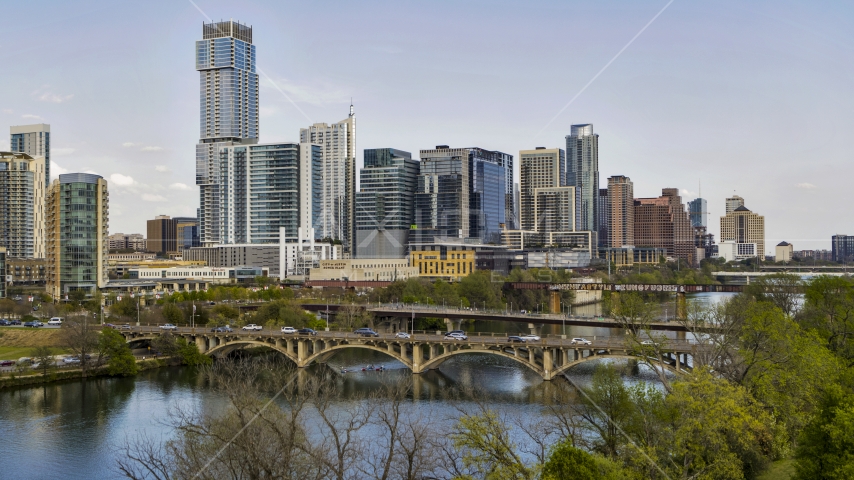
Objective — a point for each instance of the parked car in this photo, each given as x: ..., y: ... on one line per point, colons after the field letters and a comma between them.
x: 306, y: 331
x: 456, y: 336
x: 14, y: 322
x: 401, y: 335
x: 24, y: 361
x: 33, y: 324
x: 168, y: 326
x: 252, y: 327
x: 7, y: 363
x: 456, y: 332
x: 531, y: 338
x: 581, y: 341
x: 55, y: 321
x: 5, y: 322
x: 222, y: 329
x: 289, y: 330
x: 515, y: 339
x: 70, y: 360
x: 366, y: 332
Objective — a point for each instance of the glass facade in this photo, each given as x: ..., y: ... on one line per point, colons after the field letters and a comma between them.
x: 34, y: 140
x: 582, y: 172
x: 487, y: 200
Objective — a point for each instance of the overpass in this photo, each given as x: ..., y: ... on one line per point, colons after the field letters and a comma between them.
x: 422, y: 352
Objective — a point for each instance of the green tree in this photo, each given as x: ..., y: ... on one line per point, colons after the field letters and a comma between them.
x: 480, y: 290
x: 44, y: 357
x: 190, y: 354
x: 121, y: 360
x: 125, y: 308
x: 172, y: 314
x: 829, y: 310
x: 224, y: 313
x: 485, y: 443
x: 166, y: 344
x: 826, y: 447
x: 607, y: 408
x: 566, y: 461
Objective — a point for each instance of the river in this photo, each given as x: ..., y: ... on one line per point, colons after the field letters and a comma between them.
x: 73, y: 430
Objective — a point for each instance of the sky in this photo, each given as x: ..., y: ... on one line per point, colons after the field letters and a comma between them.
x: 752, y: 98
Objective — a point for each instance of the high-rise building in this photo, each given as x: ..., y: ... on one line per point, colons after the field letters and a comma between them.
x: 662, y: 222
x: 77, y: 224
x: 22, y: 207
x: 547, y: 204
x: 621, y: 201
x: 511, y: 212
x: 2, y: 272
x: 34, y: 140
x: 460, y: 194
x: 338, y: 179
x: 268, y: 186
x: 732, y: 203
x: 161, y: 235
x: 842, y: 248
x: 743, y: 226
x: 603, y: 209
x: 385, y: 204
x: 187, y: 232
x: 582, y: 172
x: 225, y: 59
x: 699, y: 212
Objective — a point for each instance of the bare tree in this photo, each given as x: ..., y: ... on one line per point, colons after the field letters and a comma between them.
x: 81, y: 337
x: 636, y: 313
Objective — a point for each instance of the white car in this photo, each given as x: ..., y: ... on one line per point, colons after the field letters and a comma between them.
x: 71, y: 360
x: 55, y: 321
x: 531, y: 338
x: 289, y: 330
x: 581, y: 341
x: 168, y: 326
x: 456, y: 336
x: 252, y: 327
x: 401, y: 335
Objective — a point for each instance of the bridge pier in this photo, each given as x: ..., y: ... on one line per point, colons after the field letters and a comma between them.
x: 417, y: 358
x: 202, y: 344
x: 548, y: 364
x: 681, y: 306
x: 302, y: 353
x: 554, y: 303
x: 535, y: 328
x: 455, y: 324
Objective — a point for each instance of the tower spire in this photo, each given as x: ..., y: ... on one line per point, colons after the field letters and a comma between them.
x: 352, y: 112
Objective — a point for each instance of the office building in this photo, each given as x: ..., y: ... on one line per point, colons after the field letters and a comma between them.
x: 213, y: 275
x: 621, y: 211
x: 662, y: 222
x: 225, y: 59
x: 122, y: 241
x: 460, y: 194
x: 3, y: 277
x: 77, y: 224
x: 629, y: 255
x: 363, y: 270
x: 743, y: 226
x: 582, y: 172
x: 815, y: 255
x: 34, y: 140
x: 603, y: 209
x: 842, y: 247
x: 385, y: 204
x: 22, y: 205
x: 732, y: 203
x: 699, y: 212
x: 268, y: 186
x: 547, y: 205
x: 25, y: 271
x: 783, y: 252
x: 450, y: 258
x: 338, y: 178
x: 187, y: 232
x: 161, y: 235
x: 733, y: 251
x: 511, y: 209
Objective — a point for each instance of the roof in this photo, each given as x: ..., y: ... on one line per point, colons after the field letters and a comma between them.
x: 742, y: 208
x: 783, y: 244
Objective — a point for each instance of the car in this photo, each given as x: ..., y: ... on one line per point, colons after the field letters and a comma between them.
x: 401, y: 335
x: 222, y: 329
x: 366, y: 332
x: 168, y: 326
x: 125, y: 326
x: 523, y: 311
x: 7, y: 363
x: 289, y: 330
x: 14, y: 322
x: 110, y: 325
x: 581, y: 341
x: 33, y: 324
x: 306, y: 331
x: 531, y: 338
x: 515, y: 339
x: 70, y: 360
x: 252, y: 327
x: 5, y: 322
x: 24, y: 361
x: 456, y: 336
x: 456, y: 332
x: 55, y: 321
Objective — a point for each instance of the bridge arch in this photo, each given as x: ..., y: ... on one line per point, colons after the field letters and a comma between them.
x: 235, y: 344
x: 567, y: 366
x: 439, y: 359
x: 330, y: 350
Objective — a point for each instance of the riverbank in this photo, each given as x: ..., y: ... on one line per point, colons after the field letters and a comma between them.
x: 58, y: 375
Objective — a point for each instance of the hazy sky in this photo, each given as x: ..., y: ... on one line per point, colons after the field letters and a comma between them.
x: 753, y: 97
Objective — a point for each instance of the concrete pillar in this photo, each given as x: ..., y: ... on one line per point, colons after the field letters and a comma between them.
x: 531, y: 354
x: 681, y: 306
x: 554, y: 301
x: 202, y: 344
x: 535, y: 328
x: 315, y: 346
x: 548, y: 364
x: 302, y: 352
x: 678, y: 362
x: 434, y: 351
x: 417, y: 358
x: 455, y: 324
x: 289, y: 346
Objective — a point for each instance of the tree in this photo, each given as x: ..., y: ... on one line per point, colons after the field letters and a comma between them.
x: 223, y: 313
x: 172, y: 314
x: 486, y: 446
x: 190, y: 354
x: 636, y: 312
x: 353, y: 316
x: 783, y: 290
x: 606, y: 406
x: 479, y: 289
x: 566, y: 461
x: 166, y: 344
x: 829, y: 310
x: 44, y: 357
x: 81, y: 339
x: 826, y: 447
x: 121, y: 360
x: 125, y: 308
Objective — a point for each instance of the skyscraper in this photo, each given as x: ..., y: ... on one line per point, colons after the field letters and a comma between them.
x: 225, y: 59
x: 743, y: 226
x: 662, y: 222
x: 385, y: 203
x: 34, y: 140
x: 621, y: 201
x: 161, y: 236
x: 77, y: 222
x: 603, y: 210
x: 22, y: 207
x: 338, y: 179
x: 582, y: 172
x: 548, y: 206
x: 267, y: 186
x: 842, y: 247
x: 699, y: 212
x: 460, y: 194
x: 732, y: 203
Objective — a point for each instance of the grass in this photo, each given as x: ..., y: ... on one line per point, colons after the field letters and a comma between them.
x: 779, y: 470
x: 19, y: 342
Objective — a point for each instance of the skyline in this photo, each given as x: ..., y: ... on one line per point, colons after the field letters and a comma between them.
x: 737, y: 107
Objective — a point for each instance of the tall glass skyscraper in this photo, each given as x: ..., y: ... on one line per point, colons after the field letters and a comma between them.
x: 582, y: 172
x: 699, y: 212
x: 225, y: 59
x: 34, y: 140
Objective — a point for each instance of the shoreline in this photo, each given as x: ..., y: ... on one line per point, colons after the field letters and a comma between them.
x: 56, y: 375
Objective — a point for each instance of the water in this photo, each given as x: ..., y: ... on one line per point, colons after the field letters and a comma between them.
x: 74, y: 430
